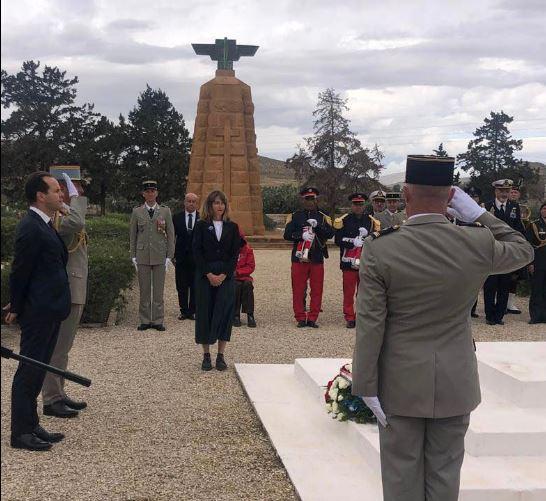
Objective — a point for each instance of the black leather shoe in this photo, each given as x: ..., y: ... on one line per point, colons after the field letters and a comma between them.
x: 302, y: 323
x: 474, y: 315
x: 513, y: 312
x: 313, y: 324
x: 206, y: 365
x: 499, y: 322
x: 490, y: 322
x: 143, y: 327
x: 220, y: 362
x: 46, y: 436
x: 158, y: 327
x: 74, y: 404
x: 181, y: 316
x: 251, y: 322
x: 236, y: 321
x: 60, y: 410
x: 30, y: 442
x: 351, y: 324
x: 190, y: 316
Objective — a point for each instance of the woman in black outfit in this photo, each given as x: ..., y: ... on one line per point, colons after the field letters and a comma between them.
x: 216, y: 245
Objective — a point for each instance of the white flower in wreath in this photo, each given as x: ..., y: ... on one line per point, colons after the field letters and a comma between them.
x: 328, y: 408
x: 335, y: 383
x: 341, y: 416
x: 340, y: 398
x: 335, y: 407
x: 343, y: 384
x: 333, y: 393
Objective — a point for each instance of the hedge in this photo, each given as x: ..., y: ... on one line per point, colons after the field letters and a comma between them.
x: 282, y: 199
x: 8, y: 237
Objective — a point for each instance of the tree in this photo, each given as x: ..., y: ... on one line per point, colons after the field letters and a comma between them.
x: 333, y: 159
x: 157, y: 146
x: 440, y: 152
x: 490, y: 155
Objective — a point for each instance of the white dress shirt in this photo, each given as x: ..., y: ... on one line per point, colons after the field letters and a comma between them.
x: 42, y: 214
x: 218, y: 229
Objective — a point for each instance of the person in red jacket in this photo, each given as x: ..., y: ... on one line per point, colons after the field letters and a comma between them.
x: 244, y: 288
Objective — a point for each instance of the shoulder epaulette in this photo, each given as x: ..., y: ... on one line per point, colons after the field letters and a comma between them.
x: 386, y: 231
x: 338, y: 222
x: 476, y: 224
x: 288, y: 218
x: 327, y: 218
x: 376, y: 224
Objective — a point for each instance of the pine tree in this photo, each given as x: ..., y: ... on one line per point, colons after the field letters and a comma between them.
x: 333, y: 159
x: 440, y: 152
x: 490, y: 155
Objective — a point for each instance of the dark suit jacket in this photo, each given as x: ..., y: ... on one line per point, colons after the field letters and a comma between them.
x: 211, y: 255
x: 183, y: 251
x: 512, y: 214
x: 38, y: 281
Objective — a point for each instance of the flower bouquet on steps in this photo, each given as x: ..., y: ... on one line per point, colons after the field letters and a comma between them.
x: 341, y: 403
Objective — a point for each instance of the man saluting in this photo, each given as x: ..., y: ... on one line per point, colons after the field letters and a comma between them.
x: 309, y: 229
x: 414, y: 360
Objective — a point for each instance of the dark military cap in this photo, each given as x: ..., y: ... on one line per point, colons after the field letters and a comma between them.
x: 474, y: 192
x: 503, y: 183
x: 393, y: 195
x: 149, y: 185
x: 309, y: 192
x: 358, y: 197
x: 430, y: 170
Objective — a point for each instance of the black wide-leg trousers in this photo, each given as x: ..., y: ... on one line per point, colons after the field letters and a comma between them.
x: 495, y: 296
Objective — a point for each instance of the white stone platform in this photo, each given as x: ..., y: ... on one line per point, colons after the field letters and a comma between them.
x: 505, y: 456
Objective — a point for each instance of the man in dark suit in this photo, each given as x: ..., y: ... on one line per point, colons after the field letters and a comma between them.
x: 184, y: 222
x: 40, y: 301
x: 496, y: 288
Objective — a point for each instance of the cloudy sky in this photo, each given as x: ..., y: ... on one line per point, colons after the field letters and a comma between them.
x: 416, y: 73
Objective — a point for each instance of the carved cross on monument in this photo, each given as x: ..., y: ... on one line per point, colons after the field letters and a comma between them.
x: 225, y: 51
x: 226, y: 135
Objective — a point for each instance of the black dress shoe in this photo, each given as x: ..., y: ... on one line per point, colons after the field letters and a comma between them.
x: 30, y: 442
x: 220, y: 362
x: 513, y: 312
x: 143, y: 327
x: 499, y: 322
x: 46, y: 436
x: 59, y: 409
x: 474, y: 315
x: 190, y: 316
x: 74, y: 404
x: 302, y: 323
x: 251, y: 322
x: 182, y: 316
x: 351, y: 324
x: 206, y: 365
x: 312, y: 323
x: 158, y: 327
x: 490, y: 322
x: 236, y: 321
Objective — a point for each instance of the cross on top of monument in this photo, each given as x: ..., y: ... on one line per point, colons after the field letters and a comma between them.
x: 225, y: 51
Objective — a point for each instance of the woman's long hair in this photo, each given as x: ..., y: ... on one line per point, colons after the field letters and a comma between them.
x: 207, y: 212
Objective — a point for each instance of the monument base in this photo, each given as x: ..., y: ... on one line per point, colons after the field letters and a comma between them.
x: 505, y: 456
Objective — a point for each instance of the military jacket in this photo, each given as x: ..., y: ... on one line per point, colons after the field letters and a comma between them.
x: 71, y: 228
x: 388, y: 219
x: 512, y: 214
x: 347, y: 226
x: 414, y: 347
x: 152, y: 239
x: 294, y: 230
x: 536, y: 234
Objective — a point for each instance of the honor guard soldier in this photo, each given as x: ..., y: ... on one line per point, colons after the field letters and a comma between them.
x: 414, y: 362
x: 152, y: 249
x: 496, y: 289
x: 351, y: 229
x: 378, y: 198
x: 391, y: 216
x: 536, y: 234
x: 308, y: 229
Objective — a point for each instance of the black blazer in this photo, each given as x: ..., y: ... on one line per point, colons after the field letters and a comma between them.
x: 183, y: 248
x: 211, y: 255
x: 38, y: 281
x: 512, y: 214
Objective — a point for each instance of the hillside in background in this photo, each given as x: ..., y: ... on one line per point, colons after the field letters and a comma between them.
x: 274, y: 173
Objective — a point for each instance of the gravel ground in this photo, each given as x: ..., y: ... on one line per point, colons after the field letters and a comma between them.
x: 158, y: 428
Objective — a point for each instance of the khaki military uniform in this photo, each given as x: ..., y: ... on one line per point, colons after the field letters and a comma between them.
x: 71, y: 228
x: 152, y: 241
x: 388, y: 218
x: 414, y: 347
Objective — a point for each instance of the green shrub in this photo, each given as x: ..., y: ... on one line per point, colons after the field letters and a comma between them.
x: 112, y: 226
x: 9, y: 224
x: 282, y: 199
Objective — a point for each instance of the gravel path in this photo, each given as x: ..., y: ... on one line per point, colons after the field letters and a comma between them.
x: 157, y: 428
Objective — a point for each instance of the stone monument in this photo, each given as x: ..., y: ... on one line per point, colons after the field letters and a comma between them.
x: 224, y: 154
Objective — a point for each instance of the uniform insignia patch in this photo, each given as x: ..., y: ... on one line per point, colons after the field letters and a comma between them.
x: 386, y: 231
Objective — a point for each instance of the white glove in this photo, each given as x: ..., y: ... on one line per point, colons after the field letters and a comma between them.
x: 357, y: 242
x: 363, y: 232
x: 463, y: 207
x: 312, y: 222
x: 135, y: 263
x: 307, y: 236
x: 375, y: 407
x: 72, y: 190
x: 168, y: 263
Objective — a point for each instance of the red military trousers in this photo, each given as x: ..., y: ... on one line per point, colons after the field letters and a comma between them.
x: 351, y: 279
x: 301, y: 272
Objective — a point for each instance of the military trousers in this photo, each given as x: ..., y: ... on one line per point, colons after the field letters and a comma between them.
x: 351, y: 280
x: 301, y: 273
x: 53, y: 387
x: 495, y: 296
x: 537, y: 301
x: 421, y: 458
x: 151, y: 281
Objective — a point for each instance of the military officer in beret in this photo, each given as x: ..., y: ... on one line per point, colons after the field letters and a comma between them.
x: 414, y: 361
x: 308, y: 227
x: 536, y: 234
x: 351, y: 230
x: 152, y: 249
x: 496, y: 291
x: 391, y: 216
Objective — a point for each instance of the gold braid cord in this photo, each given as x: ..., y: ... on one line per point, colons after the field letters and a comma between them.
x: 79, y: 239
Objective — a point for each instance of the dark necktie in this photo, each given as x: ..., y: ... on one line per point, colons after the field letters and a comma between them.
x: 50, y: 224
x: 151, y: 212
x: 190, y: 221
x: 502, y: 210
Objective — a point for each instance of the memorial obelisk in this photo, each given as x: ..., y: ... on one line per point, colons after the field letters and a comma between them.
x: 224, y: 154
